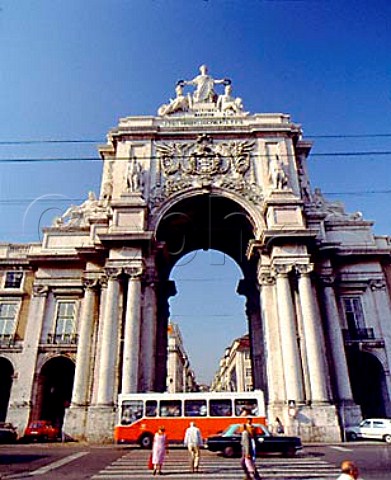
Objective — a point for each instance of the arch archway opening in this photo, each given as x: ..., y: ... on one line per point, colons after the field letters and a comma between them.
x: 55, y: 389
x: 209, y: 231
x: 368, y: 383
x: 6, y: 378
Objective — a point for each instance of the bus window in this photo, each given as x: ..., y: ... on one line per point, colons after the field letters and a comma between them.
x: 170, y: 408
x: 195, y: 408
x: 220, y: 408
x: 151, y: 408
x: 245, y: 407
x: 131, y: 411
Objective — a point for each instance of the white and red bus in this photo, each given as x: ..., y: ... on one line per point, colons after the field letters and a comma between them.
x: 141, y: 414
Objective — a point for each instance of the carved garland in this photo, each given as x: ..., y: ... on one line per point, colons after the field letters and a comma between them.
x: 202, y: 164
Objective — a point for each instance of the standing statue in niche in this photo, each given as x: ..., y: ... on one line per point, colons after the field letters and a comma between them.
x: 204, y: 84
x: 228, y: 103
x: 135, y: 177
x: 277, y: 176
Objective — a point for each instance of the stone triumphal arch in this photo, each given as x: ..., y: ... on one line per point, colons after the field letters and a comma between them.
x: 206, y: 174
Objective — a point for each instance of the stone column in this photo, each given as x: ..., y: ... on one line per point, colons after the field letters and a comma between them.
x: 131, y: 351
x: 288, y: 332
x: 76, y: 415
x: 312, y: 336
x: 249, y: 289
x: 335, y: 340
x: 109, y: 347
x: 148, y: 336
x: 166, y: 289
x: 21, y: 400
x: 83, y: 358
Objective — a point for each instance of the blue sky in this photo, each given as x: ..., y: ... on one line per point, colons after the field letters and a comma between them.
x: 70, y: 70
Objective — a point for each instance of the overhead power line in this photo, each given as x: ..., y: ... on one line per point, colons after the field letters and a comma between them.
x: 153, y: 157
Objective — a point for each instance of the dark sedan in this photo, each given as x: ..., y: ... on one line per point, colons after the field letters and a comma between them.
x: 229, y: 442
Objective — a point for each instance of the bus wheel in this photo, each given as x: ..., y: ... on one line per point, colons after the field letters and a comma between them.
x: 146, y: 440
x: 229, y: 452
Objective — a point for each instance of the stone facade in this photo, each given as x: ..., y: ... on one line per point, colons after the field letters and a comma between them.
x: 84, y: 314
x: 235, y: 370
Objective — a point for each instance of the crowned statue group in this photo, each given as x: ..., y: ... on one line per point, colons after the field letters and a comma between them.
x: 204, y: 94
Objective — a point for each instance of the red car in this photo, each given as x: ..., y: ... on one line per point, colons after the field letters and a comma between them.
x: 41, y: 431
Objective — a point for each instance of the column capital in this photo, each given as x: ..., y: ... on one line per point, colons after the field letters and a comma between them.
x: 113, y: 272
x: 304, y: 268
x: 90, y: 283
x: 377, y: 284
x: 281, y: 270
x: 266, y: 279
x: 40, y: 290
x: 134, y: 272
x: 327, y: 280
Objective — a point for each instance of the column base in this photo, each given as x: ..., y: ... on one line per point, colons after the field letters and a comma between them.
x: 100, y: 423
x: 312, y: 423
x: 75, y: 422
x: 19, y: 414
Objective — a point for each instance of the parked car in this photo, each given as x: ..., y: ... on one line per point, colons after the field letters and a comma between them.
x: 229, y: 442
x: 41, y: 431
x: 8, y: 433
x: 372, y: 429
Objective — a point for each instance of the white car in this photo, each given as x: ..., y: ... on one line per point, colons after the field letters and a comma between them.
x: 371, y: 428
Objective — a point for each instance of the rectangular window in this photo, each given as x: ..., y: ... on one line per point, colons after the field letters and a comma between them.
x: 8, y: 312
x: 65, y: 321
x: 170, y: 408
x: 195, y: 408
x: 249, y: 372
x: 151, y: 408
x: 244, y: 407
x: 354, y: 313
x: 220, y: 408
x: 132, y: 410
x: 13, y: 279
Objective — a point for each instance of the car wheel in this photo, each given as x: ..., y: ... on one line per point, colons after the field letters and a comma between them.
x: 291, y: 452
x: 352, y: 436
x: 146, y: 440
x: 387, y: 438
x: 229, y: 452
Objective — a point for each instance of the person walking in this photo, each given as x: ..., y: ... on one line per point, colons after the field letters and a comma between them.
x: 247, y: 461
x: 159, y: 450
x: 193, y: 441
x: 349, y: 471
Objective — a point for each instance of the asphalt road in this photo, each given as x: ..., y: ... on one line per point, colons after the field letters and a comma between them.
x: 77, y: 462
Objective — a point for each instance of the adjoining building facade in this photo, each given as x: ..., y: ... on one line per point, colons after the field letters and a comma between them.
x: 180, y: 376
x: 235, y: 372
x: 84, y: 314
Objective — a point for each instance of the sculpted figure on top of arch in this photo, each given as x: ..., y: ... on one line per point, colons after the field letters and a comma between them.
x: 333, y: 209
x: 78, y: 215
x: 204, y: 94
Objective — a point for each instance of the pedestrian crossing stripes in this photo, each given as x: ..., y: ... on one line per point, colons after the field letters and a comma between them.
x: 133, y: 465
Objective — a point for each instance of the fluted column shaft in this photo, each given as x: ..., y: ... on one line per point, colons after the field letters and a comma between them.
x: 291, y: 358
x: 313, y: 337
x: 132, y: 332
x: 83, y: 357
x: 109, y: 346
x: 148, y: 338
x: 336, y: 342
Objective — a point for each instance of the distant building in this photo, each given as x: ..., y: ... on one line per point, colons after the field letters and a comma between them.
x: 235, y: 372
x: 180, y: 377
